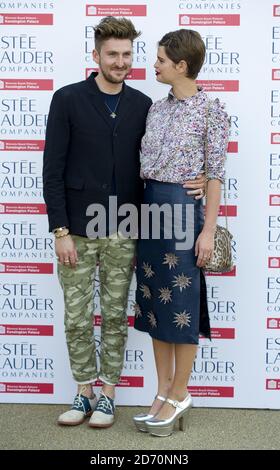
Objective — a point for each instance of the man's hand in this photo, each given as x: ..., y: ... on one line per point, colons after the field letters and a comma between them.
x: 66, y: 251
x: 197, y: 186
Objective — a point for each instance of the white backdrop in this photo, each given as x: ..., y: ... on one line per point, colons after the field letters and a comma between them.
x: 47, y: 44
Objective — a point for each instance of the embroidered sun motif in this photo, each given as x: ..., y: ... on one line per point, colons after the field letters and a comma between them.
x: 152, y: 319
x: 146, y: 291
x: 182, y: 319
x: 137, y: 310
x: 148, y: 270
x: 182, y: 281
x: 171, y: 259
x: 165, y: 295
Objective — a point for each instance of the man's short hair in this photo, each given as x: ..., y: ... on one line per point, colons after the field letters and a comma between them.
x: 117, y: 28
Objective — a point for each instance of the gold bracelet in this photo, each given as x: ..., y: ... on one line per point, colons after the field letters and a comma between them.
x: 61, y: 232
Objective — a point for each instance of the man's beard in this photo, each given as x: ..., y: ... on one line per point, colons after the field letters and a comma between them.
x: 112, y: 79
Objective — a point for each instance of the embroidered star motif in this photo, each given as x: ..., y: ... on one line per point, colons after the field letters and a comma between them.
x: 146, y: 291
x: 148, y: 270
x: 182, y: 281
x: 137, y: 310
x: 152, y: 319
x: 182, y: 319
x: 171, y: 259
x: 165, y: 295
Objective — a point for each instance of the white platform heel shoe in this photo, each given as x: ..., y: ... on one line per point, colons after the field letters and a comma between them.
x: 165, y: 427
x: 140, y: 419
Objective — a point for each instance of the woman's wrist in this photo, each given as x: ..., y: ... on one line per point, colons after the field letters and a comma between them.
x: 209, y: 230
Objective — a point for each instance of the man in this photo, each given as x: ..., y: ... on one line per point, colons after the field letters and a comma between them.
x: 93, y: 139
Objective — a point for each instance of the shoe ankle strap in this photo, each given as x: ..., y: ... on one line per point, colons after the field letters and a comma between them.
x: 159, y: 397
x: 176, y: 403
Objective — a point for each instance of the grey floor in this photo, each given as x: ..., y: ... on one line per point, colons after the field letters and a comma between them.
x: 34, y: 427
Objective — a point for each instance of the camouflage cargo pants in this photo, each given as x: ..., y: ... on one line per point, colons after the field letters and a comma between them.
x: 115, y: 271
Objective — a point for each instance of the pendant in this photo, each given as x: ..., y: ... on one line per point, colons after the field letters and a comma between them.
x: 113, y: 115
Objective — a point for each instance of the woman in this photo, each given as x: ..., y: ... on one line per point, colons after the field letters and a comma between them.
x: 171, y: 302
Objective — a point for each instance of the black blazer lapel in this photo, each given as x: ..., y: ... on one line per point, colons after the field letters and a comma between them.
x: 125, y: 105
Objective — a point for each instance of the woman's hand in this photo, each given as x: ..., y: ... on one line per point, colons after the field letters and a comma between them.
x: 204, y: 247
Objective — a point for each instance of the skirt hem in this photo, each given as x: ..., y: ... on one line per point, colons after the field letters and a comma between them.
x: 165, y: 340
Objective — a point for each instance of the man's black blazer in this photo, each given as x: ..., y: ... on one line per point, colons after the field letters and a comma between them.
x: 83, y: 150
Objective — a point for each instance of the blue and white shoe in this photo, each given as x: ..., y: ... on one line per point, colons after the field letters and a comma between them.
x: 103, y: 415
x: 82, y: 408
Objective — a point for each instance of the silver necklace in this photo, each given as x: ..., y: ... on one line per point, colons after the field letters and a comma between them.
x: 113, y: 112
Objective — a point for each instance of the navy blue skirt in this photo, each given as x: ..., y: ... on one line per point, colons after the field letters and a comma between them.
x: 171, y: 298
